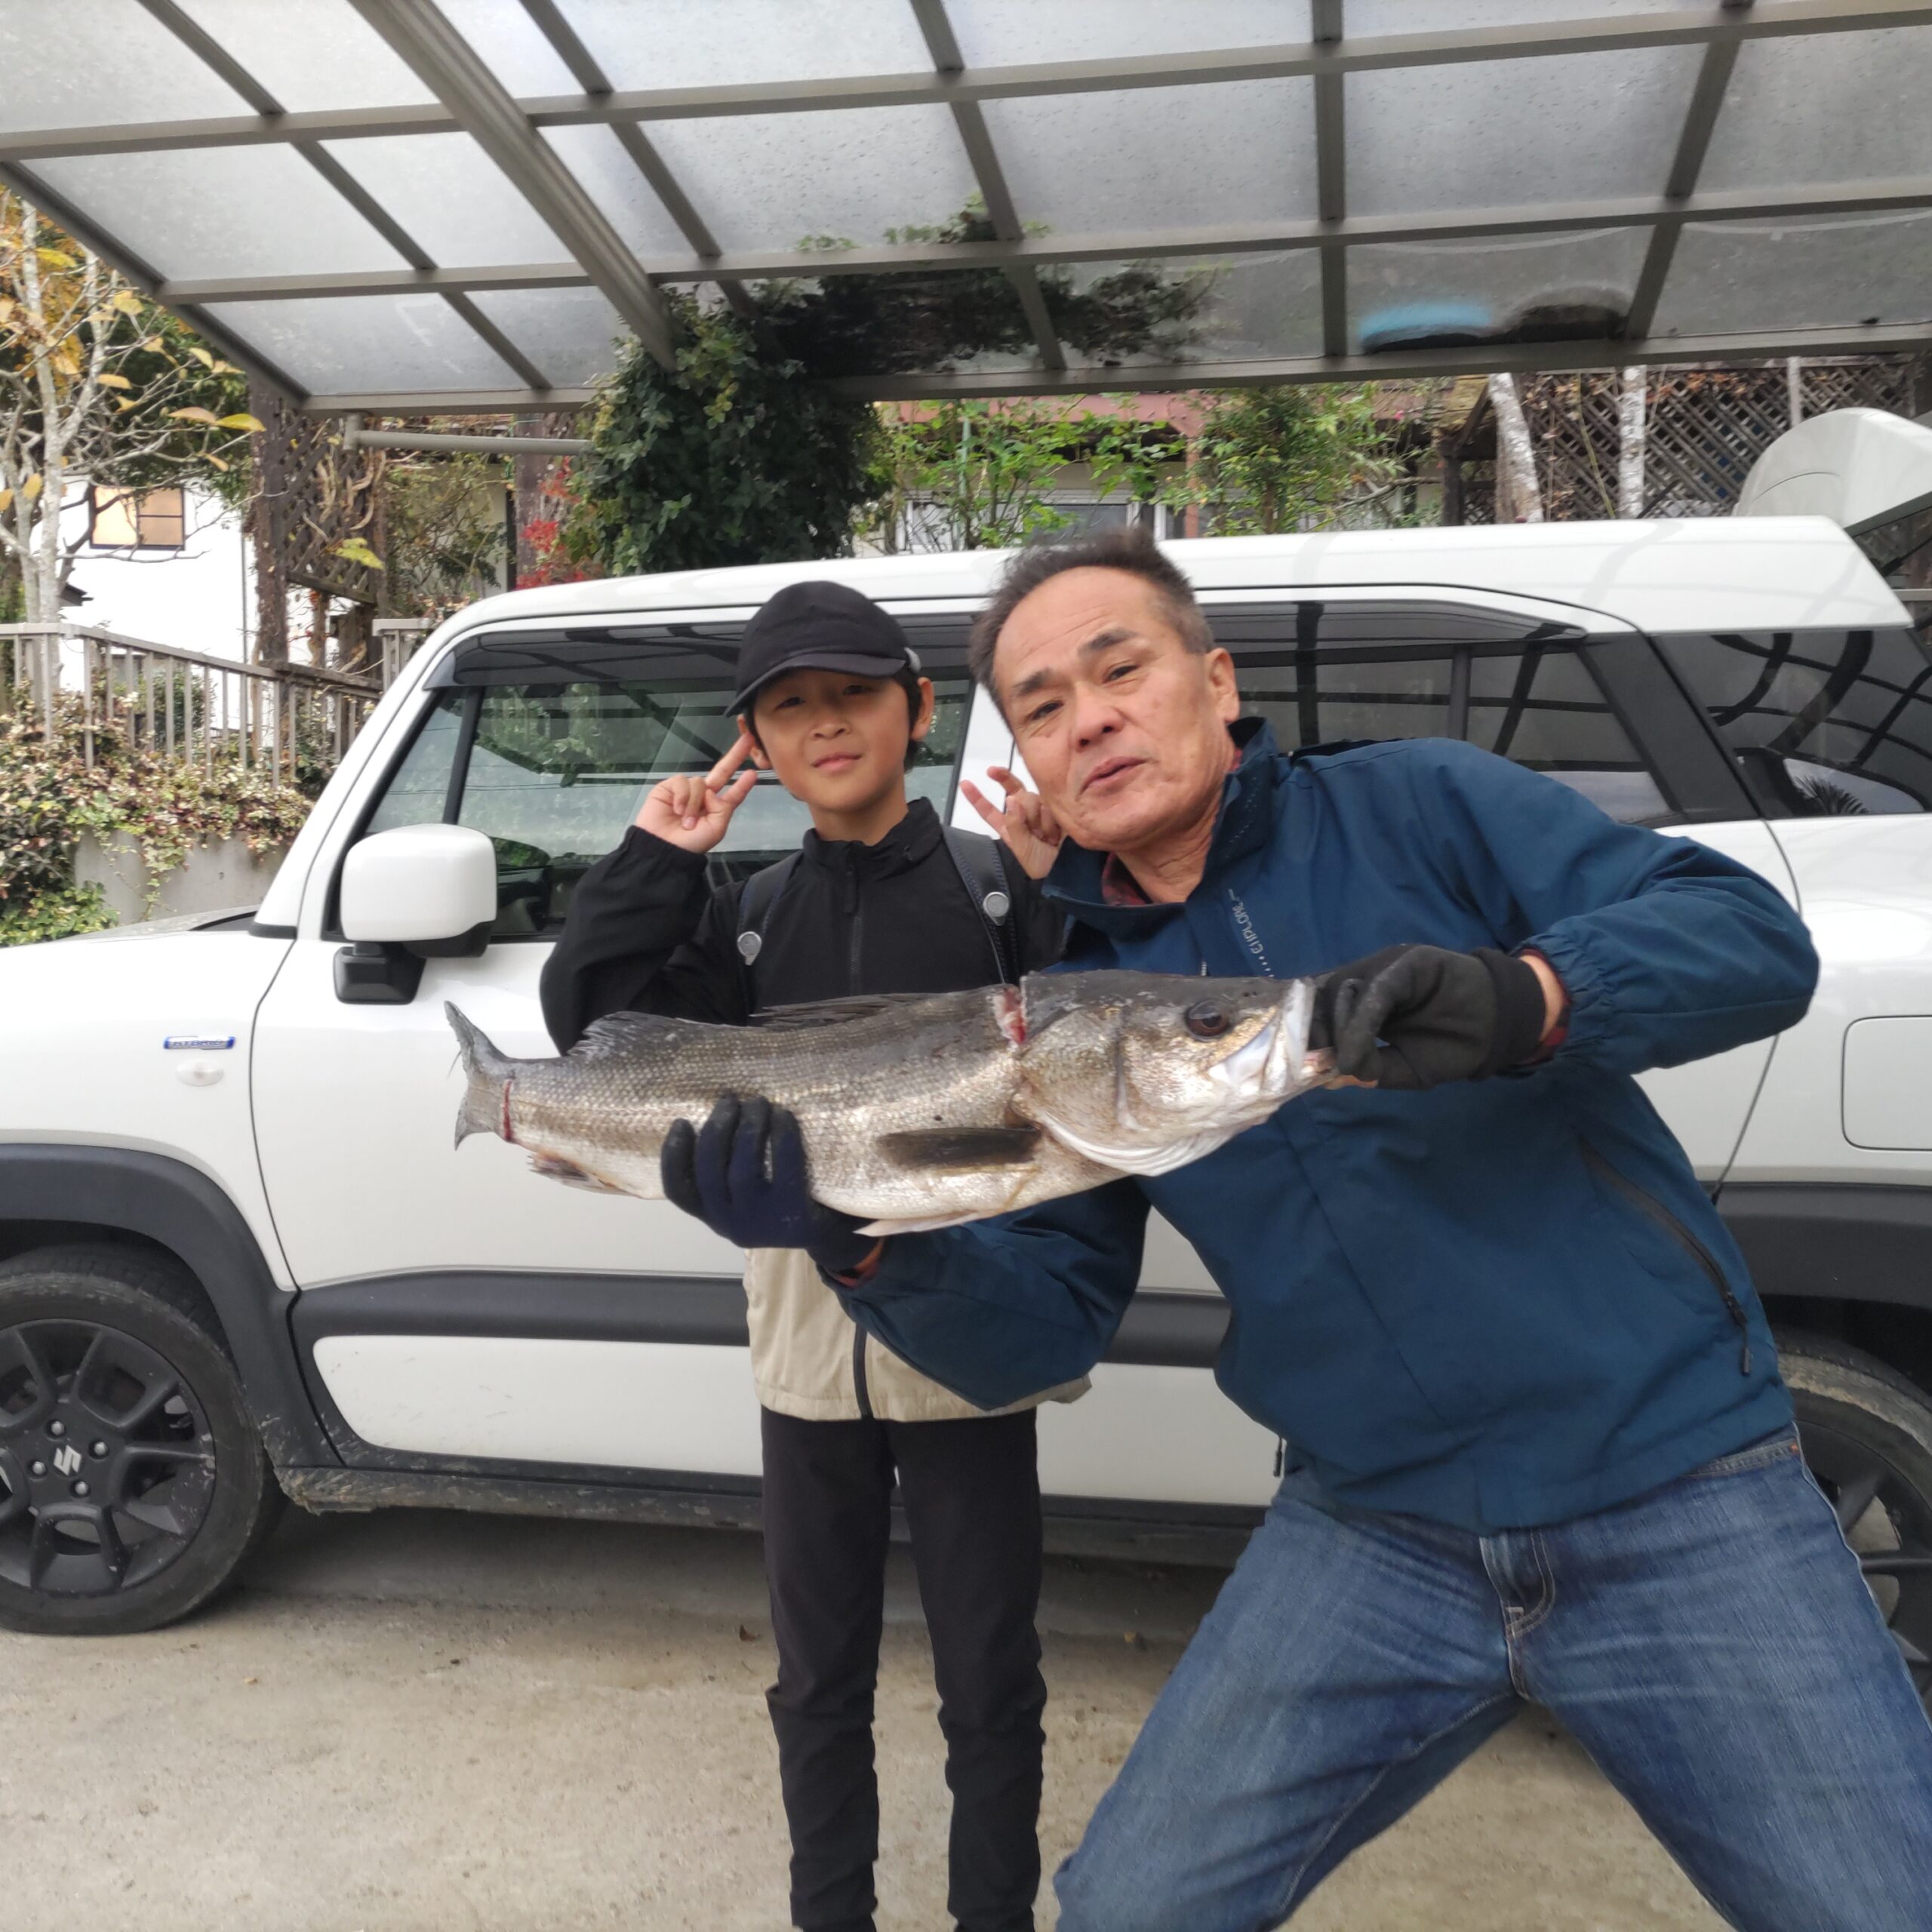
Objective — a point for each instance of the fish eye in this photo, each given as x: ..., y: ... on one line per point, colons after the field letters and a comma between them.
x: 1205, y: 1020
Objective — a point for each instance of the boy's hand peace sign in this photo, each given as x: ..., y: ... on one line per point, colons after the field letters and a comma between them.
x: 1032, y: 833
x: 693, y: 811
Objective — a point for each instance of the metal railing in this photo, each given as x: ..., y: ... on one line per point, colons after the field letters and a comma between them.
x: 398, y: 639
x: 186, y: 704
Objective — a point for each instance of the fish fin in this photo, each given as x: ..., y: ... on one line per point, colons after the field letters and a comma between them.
x: 885, y: 1228
x: 958, y: 1147
x: 622, y: 1033
x: 487, y: 1069
x: 554, y: 1166
x: 835, y: 1012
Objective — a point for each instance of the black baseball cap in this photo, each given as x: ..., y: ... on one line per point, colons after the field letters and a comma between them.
x: 820, y: 626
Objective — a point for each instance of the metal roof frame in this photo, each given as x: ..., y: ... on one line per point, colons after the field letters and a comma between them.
x: 470, y: 99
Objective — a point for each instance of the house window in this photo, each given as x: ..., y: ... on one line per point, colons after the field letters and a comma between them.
x: 137, y: 519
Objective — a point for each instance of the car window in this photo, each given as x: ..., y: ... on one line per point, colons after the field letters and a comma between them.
x: 552, y: 769
x: 1541, y: 708
x: 1901, y: 551
x: 1318, y: 702
x: 1824, y: 722
x: 1511, y: 684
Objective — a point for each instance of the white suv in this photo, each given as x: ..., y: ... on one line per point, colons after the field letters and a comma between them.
x: 240, y: 1255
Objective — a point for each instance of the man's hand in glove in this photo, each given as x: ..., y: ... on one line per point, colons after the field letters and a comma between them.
x: 1411, y: 1017
x: 742, y: 1174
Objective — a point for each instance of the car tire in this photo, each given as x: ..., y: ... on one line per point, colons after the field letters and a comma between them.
x: 133, y: 1482
x: 1867, y: 1433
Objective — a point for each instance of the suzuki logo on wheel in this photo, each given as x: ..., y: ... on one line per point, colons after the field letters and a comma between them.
x: 67, y: 1459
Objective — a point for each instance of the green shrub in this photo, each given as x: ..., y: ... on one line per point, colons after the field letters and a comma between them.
x: 49, y: 797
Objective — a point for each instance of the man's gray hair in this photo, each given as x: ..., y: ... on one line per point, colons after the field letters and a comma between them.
x: 1127, y: 547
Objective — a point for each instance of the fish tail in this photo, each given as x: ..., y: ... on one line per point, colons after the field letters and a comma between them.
x: 485, y: 1100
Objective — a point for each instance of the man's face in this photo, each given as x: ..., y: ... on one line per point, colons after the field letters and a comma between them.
x: 836, y: 741
x: 1124, y: 728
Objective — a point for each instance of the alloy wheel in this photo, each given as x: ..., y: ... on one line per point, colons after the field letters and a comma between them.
x: 107, y: 1465
x: 1888, y: 1523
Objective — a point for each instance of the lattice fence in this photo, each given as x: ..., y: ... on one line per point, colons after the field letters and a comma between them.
x: 1707, y: 426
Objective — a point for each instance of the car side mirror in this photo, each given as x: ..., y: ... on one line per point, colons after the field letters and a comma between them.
x: 420, y: 892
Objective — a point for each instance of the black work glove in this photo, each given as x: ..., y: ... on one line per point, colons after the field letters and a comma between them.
x: 1411, y: 1017
x: 742, y: 1174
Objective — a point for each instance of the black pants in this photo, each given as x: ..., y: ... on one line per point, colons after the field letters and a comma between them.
x: 971, y: 1490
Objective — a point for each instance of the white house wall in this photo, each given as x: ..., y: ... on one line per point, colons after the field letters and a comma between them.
x: 200, y: 598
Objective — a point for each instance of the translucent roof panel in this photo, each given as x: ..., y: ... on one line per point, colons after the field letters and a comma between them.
x: 611, y: 178
x: 516, y: 50
x: 1844, y: 107
x: 1238, y: 309
x: 769, y: 180
x: 1409, y: 149
x: 1160, y: 158
x: 109, y: 61
x: 194, y: 213
x: 715, y: 43
x: 1406, y: 294
x: 1256, y: 307
x: 570, y: 334
x: 1746, y: 276
x: 447, y: 153
x: 333, y: 59
x: 998, y: 33
x: 451, y: 199
x: 379, y: 344
x: 1369, y: 18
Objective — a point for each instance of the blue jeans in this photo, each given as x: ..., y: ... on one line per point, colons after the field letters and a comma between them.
x: 1711, y: 1645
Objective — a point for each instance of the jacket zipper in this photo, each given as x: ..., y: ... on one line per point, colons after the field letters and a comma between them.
x: 859, y: 1388
x: 1648, y: 1204
x: 855, y: 954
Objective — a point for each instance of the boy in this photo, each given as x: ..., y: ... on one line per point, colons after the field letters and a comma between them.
x: 879, y: 899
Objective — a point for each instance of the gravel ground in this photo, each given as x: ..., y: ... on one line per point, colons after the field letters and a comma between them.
x: 426, y: 1723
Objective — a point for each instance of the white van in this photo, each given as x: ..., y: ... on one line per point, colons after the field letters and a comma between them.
x: 240, y: 1251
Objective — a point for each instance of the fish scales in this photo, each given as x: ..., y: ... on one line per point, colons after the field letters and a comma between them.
x: 922, y: 1110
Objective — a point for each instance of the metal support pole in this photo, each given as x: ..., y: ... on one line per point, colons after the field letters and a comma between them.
x: 379, y: 439
x: 1794, y: 388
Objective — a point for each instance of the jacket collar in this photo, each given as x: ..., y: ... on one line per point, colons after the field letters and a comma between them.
x: 1241, y: 826
x: 909, y: 841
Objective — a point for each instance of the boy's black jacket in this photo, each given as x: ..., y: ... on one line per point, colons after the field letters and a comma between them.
x: 646, y: 933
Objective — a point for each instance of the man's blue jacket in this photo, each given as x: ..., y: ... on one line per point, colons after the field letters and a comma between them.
x: 1497, y: 1304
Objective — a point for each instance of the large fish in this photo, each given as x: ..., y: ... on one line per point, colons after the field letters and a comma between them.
x: 923, y: 1110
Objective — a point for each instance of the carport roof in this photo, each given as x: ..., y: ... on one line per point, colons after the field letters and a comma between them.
x: 400, y: 205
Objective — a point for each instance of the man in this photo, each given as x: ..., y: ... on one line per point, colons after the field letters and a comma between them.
x: 877, y: 899
x: 1540, y: 1448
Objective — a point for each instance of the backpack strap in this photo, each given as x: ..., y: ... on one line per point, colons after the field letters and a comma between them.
x: 761, y: 892
x: 981, y: 865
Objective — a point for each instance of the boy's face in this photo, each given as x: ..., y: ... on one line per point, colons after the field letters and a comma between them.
x: 836, y: 741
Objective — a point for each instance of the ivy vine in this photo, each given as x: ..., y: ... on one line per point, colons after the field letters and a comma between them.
x: 49, y: 798
x: 743, y: 453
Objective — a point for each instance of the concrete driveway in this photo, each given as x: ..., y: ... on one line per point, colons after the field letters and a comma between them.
x: 418, y: 1723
